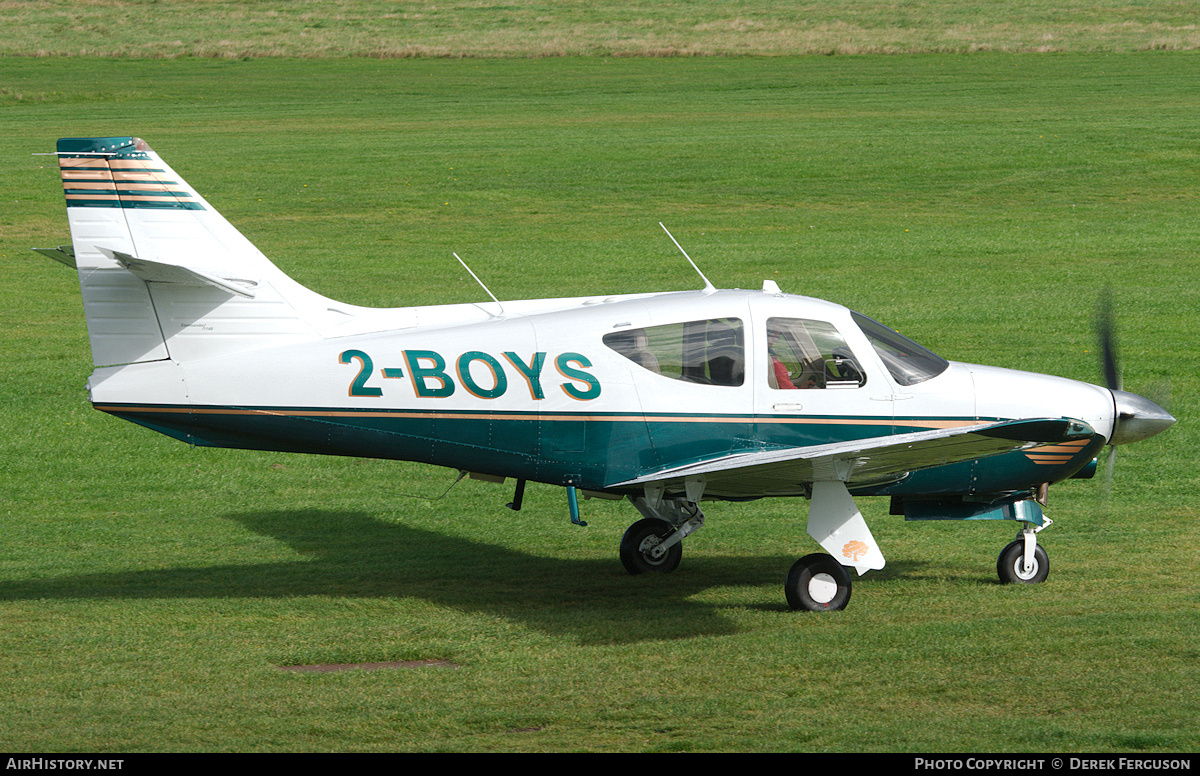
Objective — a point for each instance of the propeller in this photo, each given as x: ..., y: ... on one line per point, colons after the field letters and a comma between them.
x: 1137, y: 417
x: 1106, y: 333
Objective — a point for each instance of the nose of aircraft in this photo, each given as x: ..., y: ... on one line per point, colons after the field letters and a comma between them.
x: 1137, y: 418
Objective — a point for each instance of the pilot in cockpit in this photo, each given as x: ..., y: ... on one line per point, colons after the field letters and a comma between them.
x: 778, y: 377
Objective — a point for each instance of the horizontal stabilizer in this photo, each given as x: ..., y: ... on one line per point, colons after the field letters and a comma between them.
x: 158, y: 272
x: 64, y: 254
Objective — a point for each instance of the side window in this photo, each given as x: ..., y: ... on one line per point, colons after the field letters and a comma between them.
x: 708, y: 352
x: 809, y: 354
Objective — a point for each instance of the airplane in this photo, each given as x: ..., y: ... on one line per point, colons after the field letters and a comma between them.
x: 666, y: 400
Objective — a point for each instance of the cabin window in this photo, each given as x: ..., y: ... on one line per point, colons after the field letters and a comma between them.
x: 710, y: 352
x: 809, y: 354
x: 906, y: 361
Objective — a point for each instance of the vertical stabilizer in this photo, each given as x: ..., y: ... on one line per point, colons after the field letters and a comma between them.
x: 163, y: 274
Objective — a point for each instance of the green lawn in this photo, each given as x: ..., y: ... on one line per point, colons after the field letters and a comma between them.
x: 236, y: 29
x: 150, y: 592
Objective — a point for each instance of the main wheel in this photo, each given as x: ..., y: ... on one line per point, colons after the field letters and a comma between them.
x: 1010, y: 566
x: 638, y: 543
x: 817, y: 583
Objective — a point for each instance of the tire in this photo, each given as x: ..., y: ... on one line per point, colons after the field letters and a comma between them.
x: 817, y: 583
x: 640, y: 538
x: 1010, y: 565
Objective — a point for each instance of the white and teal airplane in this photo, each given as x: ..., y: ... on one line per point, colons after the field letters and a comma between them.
x: 664, y: 399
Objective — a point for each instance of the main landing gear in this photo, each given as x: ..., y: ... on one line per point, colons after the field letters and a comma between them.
x: 654, y: 543
x: 646, y: 546
x: 817, y: 583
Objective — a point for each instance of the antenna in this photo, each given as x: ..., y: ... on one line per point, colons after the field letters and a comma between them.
x: 707, y: 286
x: 480, y: 282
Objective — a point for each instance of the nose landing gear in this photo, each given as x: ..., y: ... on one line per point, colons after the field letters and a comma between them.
x: 1024, y: 561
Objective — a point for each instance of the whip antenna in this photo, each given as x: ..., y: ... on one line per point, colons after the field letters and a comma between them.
x: 480, y: 282
x: 707, y: 286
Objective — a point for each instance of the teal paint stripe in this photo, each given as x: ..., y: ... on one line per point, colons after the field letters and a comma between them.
x: 117, y: 192
x: 137, y: 205
x: 558, y: 449
x: 86, y: 146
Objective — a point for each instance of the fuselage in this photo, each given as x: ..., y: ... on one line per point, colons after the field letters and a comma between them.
x: 590, y: 392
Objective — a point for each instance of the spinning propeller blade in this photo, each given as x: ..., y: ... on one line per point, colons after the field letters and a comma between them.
x: 1137, y: 417
x: 1106, y: 332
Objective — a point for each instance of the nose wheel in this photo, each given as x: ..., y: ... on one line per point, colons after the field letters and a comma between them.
x: 1012, y: 566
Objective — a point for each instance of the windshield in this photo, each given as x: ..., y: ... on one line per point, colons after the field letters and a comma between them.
x: 908, y: 362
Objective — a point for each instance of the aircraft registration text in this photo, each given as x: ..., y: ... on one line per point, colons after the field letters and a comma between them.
x: 480, y: 374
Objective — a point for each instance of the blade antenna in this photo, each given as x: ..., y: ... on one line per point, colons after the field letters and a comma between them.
x: 480, y: 282
x: 708, y: 287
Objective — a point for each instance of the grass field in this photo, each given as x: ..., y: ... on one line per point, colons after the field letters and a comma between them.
x: 150, y: 593
x: 508, y: 28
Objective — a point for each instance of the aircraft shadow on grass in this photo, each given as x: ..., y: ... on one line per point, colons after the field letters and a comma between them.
x: 354, y: 555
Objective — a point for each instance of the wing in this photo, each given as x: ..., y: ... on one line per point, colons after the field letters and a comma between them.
x: 877, y: 459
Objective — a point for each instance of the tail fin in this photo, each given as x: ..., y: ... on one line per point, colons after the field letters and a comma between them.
x: 163, y: 274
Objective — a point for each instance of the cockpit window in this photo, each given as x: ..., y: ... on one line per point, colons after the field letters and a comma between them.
x: 907, y: 362
x: 809, y: 354
x: 708, y: 352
